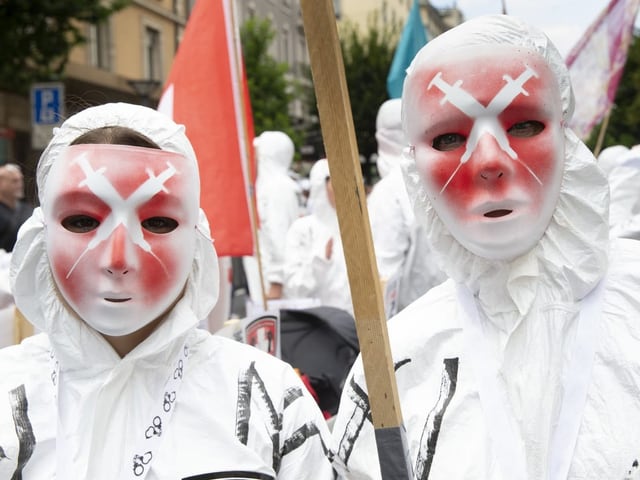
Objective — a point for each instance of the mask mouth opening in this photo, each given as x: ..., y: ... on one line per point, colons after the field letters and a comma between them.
x: 118, y: 300
x: 498, y: 213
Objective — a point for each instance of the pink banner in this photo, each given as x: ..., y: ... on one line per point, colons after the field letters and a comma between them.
x: 596, y: 64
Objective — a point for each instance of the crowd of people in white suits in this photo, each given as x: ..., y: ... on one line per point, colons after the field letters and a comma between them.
x: 512, y: 251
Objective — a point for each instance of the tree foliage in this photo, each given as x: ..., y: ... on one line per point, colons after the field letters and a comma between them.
x: 269, y: 90
x: 367, y: 58
x: 624, y: 122
x: 38, y: 35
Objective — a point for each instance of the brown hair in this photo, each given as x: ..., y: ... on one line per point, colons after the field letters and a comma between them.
x: 115, y: 135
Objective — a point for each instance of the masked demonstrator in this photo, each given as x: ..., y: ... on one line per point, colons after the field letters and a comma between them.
x: 117, y: 268
x: 278, y: 205
x: 315, y: 266
x: 526, y: 363
x: 401, y: 250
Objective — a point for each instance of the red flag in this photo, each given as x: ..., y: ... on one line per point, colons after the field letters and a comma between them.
x: 597, y: 61
x: 207, y: 92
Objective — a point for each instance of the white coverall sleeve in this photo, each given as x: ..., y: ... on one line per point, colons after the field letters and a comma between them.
x: 305, y: 264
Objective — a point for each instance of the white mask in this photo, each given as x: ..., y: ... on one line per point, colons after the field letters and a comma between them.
x: 121, y: 232
x: 486, y: 128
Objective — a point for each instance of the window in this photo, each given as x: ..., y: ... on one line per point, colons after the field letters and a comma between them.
x: 152, y: 53
x: 179, y: 33
x: 285, y: 55
x: 99, y: 45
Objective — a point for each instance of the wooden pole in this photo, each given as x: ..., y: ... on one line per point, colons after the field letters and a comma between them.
x: 21, y: 327
x: 603, y: 130
x: 236, y: 57
x: 338, y: 133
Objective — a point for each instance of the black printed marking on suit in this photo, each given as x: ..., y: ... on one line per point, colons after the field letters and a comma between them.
x: 24, y: 429
x: 249, y: 380
x: 431, y: 431
x: 361, y: 413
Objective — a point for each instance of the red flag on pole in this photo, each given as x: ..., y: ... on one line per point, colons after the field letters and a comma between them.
x: 207, y: 92
x: 597, y: 61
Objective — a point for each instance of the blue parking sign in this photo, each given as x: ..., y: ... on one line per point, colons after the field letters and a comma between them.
x: 47, y: 112
x: 47, y: 103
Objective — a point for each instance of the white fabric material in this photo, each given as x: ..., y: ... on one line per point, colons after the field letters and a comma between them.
x: 308, y: 273
x: 277, y: 199
x: 400, y: 248
x: 106, y: 403
x: 528, y: 311
x: 391, y: 217
x: 389, y: 135
x: 622, y: 167
x: 202, y: 436
x: 610, y: 157
x: 7, y: 308
x: 427, y: 338
x: 624, y: 184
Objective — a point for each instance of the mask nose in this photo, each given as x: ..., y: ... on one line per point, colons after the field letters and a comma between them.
x: 119, y: 253
x: 491, y: 162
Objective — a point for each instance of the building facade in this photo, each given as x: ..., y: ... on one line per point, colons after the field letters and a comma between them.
x: 125, y: 59
x: 289, y: 45
x: 436, y: 20
x: 128, y: 58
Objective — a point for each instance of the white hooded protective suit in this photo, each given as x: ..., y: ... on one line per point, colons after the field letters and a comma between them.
x: 308, y: 273
x: 527, y: 368
x: 182, y: 404
x: 277, y: 197
x: 399, y: 242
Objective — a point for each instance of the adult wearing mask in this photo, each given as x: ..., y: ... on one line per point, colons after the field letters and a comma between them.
x: 278, y: 205
x: 315, y: 265
x: 117, y: 268
x: 402, y: 253
x: 526, y: 363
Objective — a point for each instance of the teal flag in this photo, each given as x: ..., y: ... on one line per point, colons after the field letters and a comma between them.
x: 413, y: 38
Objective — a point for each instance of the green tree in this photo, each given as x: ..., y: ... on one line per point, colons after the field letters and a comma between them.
x: 37, y: 36
x: 624, y: 122
x: 367, y: 57
x: 269, y: 90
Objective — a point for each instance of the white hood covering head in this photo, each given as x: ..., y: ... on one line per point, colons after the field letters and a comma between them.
x: 274, y: 151
x: 35, y: 292
x: 318, y: 200
x: 571, y: 254
x: 389, y: 135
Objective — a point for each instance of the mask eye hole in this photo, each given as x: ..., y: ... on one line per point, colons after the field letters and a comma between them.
x: 80, y: 223
x: 530, y: 128
x: 159, y: 224
x: 448, y: 141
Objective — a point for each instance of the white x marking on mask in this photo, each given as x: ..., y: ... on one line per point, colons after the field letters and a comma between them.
x: 123, y: 211
x: 485, y: 119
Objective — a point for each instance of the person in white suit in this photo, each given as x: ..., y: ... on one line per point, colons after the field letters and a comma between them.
x: 278, y: 205
x: 525, y: 364
x: 403, y: 255
x: 117, y: 269
x: 315, y: 267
